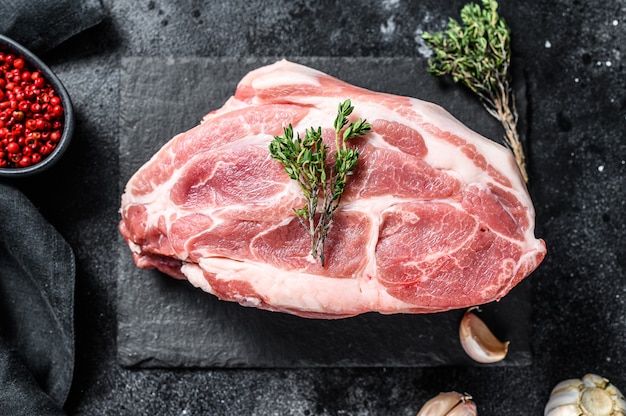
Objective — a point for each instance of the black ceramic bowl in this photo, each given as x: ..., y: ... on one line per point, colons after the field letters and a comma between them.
x: 34, y: 63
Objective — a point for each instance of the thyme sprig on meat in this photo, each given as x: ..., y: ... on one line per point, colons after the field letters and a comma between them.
x: 478, y: 54
x: 305, y: 161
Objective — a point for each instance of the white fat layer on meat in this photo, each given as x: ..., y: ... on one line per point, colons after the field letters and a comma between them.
x: 307, y: 76
x: 315, y: 293
x: 134, y: 248
x: 231, y: 104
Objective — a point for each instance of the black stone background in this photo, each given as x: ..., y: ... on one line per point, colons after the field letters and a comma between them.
x: 576, y: 147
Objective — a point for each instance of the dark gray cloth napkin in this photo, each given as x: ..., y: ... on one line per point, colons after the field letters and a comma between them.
x: 36, y: 310
x: 40, y: 25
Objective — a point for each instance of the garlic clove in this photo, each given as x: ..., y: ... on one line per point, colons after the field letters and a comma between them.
x: 564, y: 410
x: 466, y: 408
x: 618, y: 398
x: 620, y: 404
x: 590, y: 396
x: 564, y: 397
x: 568, y: 384
x: 478, y: 341
x: 449, y: 404
x: 441, y: 404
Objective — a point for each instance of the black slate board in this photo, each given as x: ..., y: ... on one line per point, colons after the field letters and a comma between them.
x: 163, y: 322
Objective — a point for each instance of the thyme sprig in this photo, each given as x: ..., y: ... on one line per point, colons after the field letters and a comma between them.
x: 304, y: 160
x: 477, y: 53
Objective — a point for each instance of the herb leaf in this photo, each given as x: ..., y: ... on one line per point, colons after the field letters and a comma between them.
x: 477, y: 53
x: 304, y: 160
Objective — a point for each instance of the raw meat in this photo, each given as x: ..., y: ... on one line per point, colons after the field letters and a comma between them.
x: 435, y: 218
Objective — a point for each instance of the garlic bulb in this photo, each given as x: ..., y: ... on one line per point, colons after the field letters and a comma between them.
x: 449, y: 404
x: 590, y: 396
x: 478, y: 341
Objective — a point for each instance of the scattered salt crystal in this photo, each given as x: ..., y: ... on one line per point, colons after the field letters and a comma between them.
x: 390, y: 4
x: 548, y: 44
x: 422, y: 46
x: 387, y: 29
x: 601, y: 168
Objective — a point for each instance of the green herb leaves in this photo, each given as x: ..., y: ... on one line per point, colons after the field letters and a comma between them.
x: 304, y: 160
x: 477, y: 53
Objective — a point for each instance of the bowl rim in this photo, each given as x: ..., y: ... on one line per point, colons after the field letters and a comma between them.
x: 68, y: 115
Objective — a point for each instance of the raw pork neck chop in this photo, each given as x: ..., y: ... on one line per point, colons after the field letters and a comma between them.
x: 436, y: 217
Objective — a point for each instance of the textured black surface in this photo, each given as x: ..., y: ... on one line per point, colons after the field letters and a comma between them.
x: 573, y: 53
